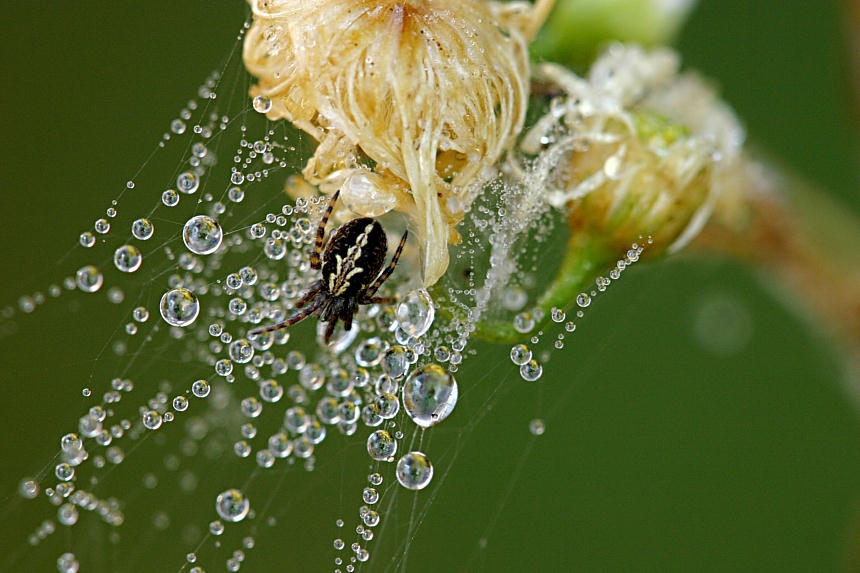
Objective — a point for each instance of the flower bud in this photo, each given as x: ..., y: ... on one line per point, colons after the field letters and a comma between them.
x: 645, y: 150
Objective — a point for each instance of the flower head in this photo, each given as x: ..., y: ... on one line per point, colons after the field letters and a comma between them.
x: 412, y: 101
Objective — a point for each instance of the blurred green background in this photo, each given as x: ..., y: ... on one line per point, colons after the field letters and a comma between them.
x: 695, y: 422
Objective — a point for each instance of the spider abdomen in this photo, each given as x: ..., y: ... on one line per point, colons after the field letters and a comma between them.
x: 353, y: 257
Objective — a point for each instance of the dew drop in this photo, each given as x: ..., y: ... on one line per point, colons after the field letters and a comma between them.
x: 202, y: 235
x: 262, y: 104
x: 187, y: 182
x: 520, y: 354
x: 127, y: 258
x: 429, y: 395
x: 142, y: 229
x: 89, y: 279
x: 381, y: 446
x: 414, y: 471
x: 415, y: 313
x: 531, y: 370
x: 179, y: 307
x: 170, y: 198
x: 232, y: 505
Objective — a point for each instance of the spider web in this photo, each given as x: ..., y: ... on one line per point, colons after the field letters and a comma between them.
x: 483, y: 509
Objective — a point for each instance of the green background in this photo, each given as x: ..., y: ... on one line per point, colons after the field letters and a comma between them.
x: 662, y: 452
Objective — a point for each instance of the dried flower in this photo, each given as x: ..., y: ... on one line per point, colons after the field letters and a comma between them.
x: 412, y: 101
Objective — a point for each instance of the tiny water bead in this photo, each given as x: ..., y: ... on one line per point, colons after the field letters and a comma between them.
x: 537, y: 427
x: 89, y: 279
x: 583, y: 299
x: 232, y: 505
x: 415, y: 313
x: 202, y: 235
x: 414, y: 470
x: 179, y: 307
x: 429, y: 395
x: 127, y: 258
x: 142, y: 229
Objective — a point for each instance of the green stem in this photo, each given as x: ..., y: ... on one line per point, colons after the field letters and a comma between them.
x: 584, y: 259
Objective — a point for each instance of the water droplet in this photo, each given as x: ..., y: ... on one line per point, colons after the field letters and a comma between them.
x: 241, y: 351
x: 414, y: 471
x: 87, y: 239
x: 177, y: 126
x: 429, y: 395
x: 89, y: 279
x: 395, y: 363
x: 520, y: 354
x: 202, y: 235
x: 415, y: 313
x: 531, y: 370
x: 524, y: 322
x: 262, y: 104
x: 179, y: 307
x: 28, y: 488
x: 152, y: 420
x: 200, y: 388
x: 381, y: 446
x: 232, y: 505
x: 142, y: 229
x: 170, y: 198
x: 537, y: 427
x: 583, y: 299
x: 369, y: 352
x: 187, y: 182
x: 127, y: 258
x: 67, y: 563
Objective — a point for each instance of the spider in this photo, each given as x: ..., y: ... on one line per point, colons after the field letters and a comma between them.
x: 351, y: 261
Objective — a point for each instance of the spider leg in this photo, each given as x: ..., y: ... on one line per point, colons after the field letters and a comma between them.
x: 308, y: 296
x: 378, y: 300
x: 371, y: 290
x: 316, y: 261
x: 297, y: 317
x: 329, y: 329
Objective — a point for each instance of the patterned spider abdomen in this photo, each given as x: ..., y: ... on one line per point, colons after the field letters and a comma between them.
x: 353, y: 257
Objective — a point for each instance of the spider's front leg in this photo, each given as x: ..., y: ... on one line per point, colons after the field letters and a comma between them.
x: 316, y: 258
x: 315, y: 289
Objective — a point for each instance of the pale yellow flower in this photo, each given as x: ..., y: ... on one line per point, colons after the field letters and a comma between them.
x: 412, y: 101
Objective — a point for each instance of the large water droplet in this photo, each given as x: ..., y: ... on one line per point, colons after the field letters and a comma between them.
x: 429, y: 395
x: 179, y: 307
x: 202, y: 235
x: 415, y: 313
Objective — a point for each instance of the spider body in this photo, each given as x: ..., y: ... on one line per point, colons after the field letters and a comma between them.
x: 350, y: 263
